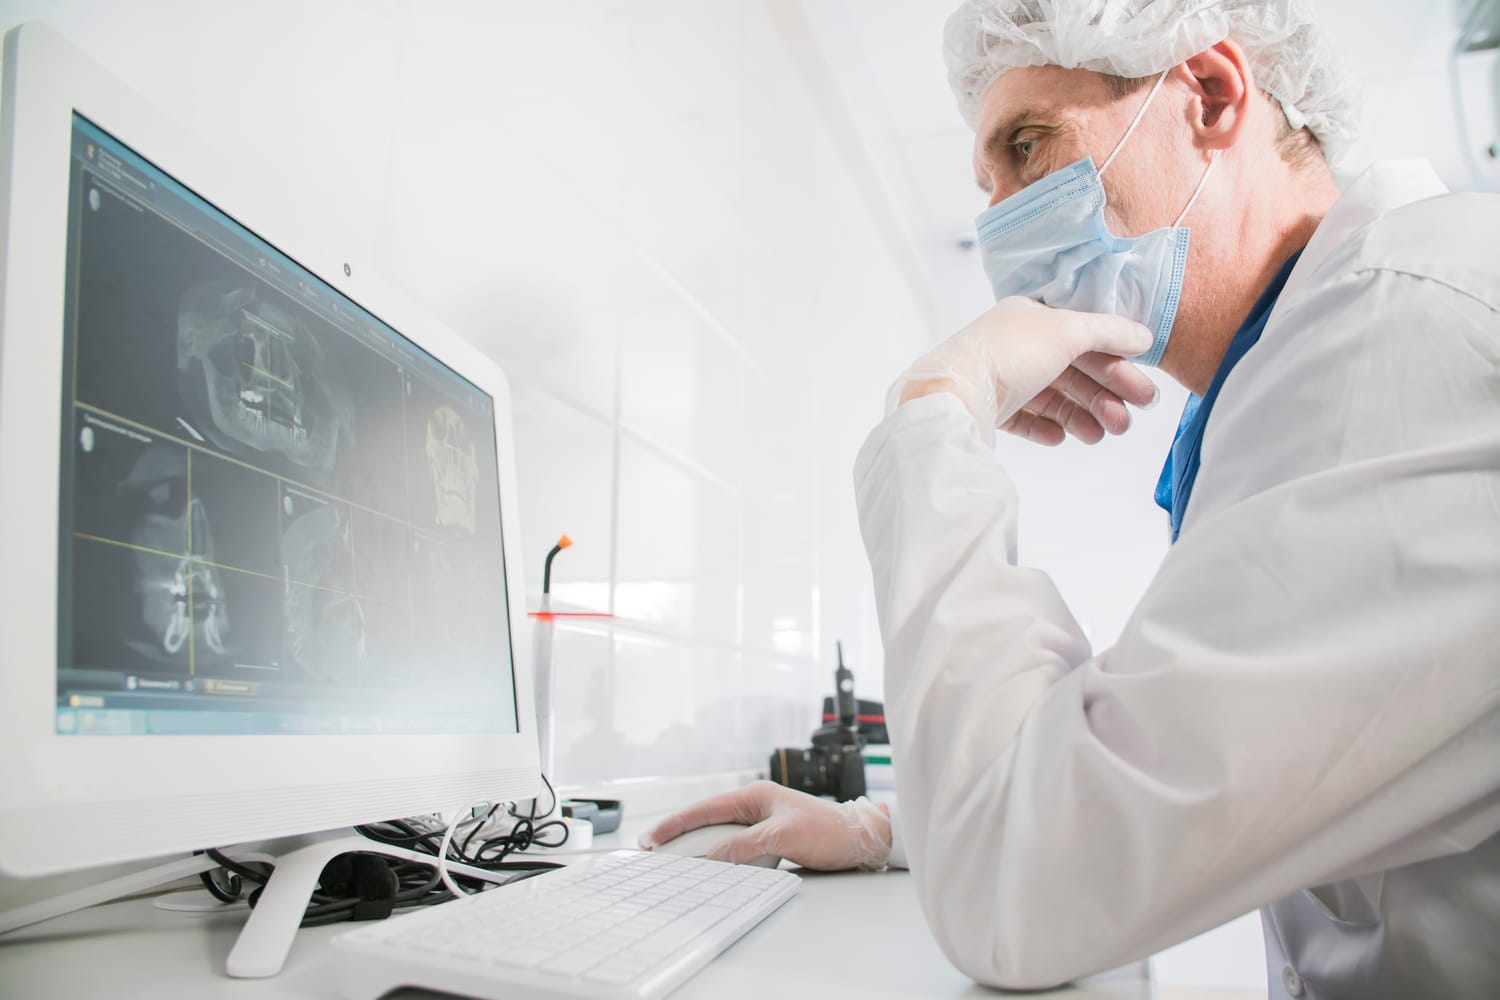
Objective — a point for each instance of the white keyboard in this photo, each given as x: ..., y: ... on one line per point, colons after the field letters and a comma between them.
x: 625, y: 924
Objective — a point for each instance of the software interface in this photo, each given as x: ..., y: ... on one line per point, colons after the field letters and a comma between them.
x: 278, y: 515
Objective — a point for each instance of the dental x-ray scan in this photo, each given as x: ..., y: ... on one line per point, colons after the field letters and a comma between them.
x: 283, y: 516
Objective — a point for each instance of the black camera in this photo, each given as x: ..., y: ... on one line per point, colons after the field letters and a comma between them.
x: 833, y: 765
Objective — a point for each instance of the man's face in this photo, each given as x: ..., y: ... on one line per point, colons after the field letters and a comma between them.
x: 1038, y: 119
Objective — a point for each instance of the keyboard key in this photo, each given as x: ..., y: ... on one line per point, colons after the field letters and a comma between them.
x: 573, y: 962
x: 522, y: 958
x: 610, y: 976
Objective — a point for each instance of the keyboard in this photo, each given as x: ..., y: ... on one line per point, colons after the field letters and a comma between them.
x: 625, y: 924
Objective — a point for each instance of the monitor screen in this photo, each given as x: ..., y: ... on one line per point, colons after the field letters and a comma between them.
x: 278, y: 515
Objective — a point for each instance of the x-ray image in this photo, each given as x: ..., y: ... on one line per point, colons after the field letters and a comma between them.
x: 454, y: 469
x: 324, y: 619
x: 450, y: 448
x: 255, y: 379
x: 143, y: 532
x: 269, y: 495
x: 181, y: 595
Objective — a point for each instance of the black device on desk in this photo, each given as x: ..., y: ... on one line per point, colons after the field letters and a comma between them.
x: 602, y: 814
x: 833, y: 765
x: 871, y: 719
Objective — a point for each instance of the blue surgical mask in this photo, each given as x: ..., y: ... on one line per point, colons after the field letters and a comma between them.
x: 1049, y: 242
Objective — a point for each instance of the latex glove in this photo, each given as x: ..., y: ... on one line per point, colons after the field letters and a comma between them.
x: 785, y: 823
x: 1037, y: 372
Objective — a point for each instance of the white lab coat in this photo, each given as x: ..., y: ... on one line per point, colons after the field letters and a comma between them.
x: 1308, y: 694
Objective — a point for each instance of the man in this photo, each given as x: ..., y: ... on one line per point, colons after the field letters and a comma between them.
x: 1303, y: 712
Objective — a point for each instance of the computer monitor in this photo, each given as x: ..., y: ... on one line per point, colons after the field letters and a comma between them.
x: 257, y: 510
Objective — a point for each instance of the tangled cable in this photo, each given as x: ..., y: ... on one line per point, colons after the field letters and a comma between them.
x: 361, y: 886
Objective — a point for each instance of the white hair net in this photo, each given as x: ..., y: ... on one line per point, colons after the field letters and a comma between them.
x: 1289, y: 55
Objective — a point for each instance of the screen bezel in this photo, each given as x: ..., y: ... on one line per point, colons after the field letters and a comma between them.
x: 159, y: 794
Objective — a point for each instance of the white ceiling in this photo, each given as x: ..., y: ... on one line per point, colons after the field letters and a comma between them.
x: 886, y: 57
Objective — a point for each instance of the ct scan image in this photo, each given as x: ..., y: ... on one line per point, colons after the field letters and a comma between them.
x: 150, y: 593
x: 255, y: 380
x: 185, y: 341
x: 450, y: 464
x: 324, y: 618
x: 268, y: 494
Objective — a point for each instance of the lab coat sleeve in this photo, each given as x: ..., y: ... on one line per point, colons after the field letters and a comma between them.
x: 1306, y: 692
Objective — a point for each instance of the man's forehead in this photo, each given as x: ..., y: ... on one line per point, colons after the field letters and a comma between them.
x: 1040, y: 88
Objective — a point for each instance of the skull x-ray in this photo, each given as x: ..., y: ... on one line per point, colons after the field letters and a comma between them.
x: 255, y: 378
x: 179, y: 596
x: 454, y: 466
x: 324, y: 619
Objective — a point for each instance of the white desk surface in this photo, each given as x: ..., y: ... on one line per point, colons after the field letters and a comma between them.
x: 855, y: 935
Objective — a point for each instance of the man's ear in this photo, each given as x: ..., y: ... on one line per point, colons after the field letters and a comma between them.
x: 1221, y: 84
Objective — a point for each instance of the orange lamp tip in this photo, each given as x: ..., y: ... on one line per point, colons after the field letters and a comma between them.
x: 564, y: 542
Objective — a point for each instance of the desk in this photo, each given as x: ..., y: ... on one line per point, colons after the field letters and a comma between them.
x: 857, y: 935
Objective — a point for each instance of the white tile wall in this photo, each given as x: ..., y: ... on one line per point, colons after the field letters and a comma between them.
x: 637, y: 209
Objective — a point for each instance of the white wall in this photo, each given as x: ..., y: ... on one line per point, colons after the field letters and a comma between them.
x: 638, y: 210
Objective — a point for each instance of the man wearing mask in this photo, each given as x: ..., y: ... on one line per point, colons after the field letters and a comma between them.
x: 1303, y: 712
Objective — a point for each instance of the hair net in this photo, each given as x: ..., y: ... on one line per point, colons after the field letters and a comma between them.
x: 1289, y: 55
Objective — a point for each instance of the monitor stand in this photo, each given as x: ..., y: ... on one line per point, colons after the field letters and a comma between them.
x: 266, y: 938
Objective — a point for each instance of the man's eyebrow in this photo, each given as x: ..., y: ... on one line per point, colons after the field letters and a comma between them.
x: 1000, y: 135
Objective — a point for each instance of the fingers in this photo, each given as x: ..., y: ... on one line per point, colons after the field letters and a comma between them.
x: 1052, y: 415
x: 1066, y: 411
x: 1120, y: 377
x: 1088, y: 400
x: 1111, y: 415
x: 1028, y: 426
x: 742, y: 848
x: 1108, y: 413
x: 743, y: 805
x: 1107, y: 333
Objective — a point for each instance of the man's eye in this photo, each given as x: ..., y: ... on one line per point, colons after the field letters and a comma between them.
x: 1025, y: 147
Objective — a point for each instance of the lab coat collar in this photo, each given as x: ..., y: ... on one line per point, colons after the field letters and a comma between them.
x: 1379, y: 189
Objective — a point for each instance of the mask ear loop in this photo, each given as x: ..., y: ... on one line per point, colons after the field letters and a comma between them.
x: 1213, y: 157
x: 1140, y: 113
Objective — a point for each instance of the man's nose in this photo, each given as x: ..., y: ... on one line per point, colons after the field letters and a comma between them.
x: 1000, y: 189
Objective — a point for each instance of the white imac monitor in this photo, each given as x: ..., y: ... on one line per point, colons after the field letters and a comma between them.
x: 257, y: 512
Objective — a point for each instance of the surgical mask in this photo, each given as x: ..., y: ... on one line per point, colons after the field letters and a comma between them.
x: 1049, y: 242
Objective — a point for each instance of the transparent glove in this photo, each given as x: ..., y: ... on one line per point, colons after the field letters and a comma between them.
x: 785, y: 823
x: 1037, y: 372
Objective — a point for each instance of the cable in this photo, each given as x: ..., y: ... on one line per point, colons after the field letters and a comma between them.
x: 443, y: 852
x: 469, y: 843
x: 417, y: 883
x: 229, y: 892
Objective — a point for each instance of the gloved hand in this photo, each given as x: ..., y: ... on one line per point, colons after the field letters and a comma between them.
x: 1037, y: 372
x: 785, y: 823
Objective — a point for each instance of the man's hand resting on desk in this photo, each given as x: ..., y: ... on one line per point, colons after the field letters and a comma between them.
x: 785, y: 823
